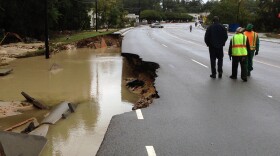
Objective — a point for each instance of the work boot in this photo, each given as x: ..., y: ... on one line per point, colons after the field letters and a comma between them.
x: 233, y: 77
x: 220, y: 75
x: 213, y: 76
x: 244, y: 79
x: 249, y: 73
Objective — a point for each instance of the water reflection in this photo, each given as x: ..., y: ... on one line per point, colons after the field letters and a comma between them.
x: 90, y: 77
x: 83, y: 133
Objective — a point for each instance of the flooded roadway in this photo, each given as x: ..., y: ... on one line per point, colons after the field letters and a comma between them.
x: 91, y: 78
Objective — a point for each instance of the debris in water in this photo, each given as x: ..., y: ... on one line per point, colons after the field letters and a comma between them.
x: 36, y: 103
x: 55, y: 68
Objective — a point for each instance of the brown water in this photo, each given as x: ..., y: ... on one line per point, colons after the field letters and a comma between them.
x: 91, y: 78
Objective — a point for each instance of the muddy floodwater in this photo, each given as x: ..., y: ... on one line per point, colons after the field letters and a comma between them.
x: 91, y: 78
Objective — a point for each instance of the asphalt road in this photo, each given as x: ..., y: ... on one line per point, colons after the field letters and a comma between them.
x: 196, y: 115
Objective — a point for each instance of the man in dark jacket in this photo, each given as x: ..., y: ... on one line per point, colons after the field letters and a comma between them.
x: 215, y: 38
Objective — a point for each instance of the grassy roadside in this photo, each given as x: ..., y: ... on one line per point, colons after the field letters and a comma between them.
x: 66, y: 39
x: 272, y: 35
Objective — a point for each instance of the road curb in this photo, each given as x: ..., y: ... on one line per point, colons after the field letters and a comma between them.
x: 122, y: 31
x: 267, y: 40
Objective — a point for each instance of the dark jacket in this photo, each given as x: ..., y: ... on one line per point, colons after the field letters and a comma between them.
x: 216, y: 36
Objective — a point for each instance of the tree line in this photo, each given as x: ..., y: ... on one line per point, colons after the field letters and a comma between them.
x: 263, y: 14
x: 26, y: 17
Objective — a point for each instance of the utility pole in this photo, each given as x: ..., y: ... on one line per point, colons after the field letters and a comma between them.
x: 139, y: 6
x: 238, y: 10
x: 47, y: 53
x: 96, y: 16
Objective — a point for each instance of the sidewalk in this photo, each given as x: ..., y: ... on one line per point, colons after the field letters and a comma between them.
x: 262, y: 37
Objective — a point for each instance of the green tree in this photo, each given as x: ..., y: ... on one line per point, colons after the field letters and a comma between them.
x: 18, y: 17
x: 267, y: 16
x: 151, y: 15
x: 226, y: 10
x: 111, y: 13
x: 194, y: 6
x: 73, y: 15
x: 263, y: 13
x: 27, y: 17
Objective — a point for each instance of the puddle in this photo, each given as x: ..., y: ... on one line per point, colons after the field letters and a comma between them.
x: 91, y: 78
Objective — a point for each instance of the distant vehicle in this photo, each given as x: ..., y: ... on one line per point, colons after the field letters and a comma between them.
x: 156, y: 25
x: 226, y: 26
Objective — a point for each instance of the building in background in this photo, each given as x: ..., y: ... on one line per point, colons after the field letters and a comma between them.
x: 132, y: 17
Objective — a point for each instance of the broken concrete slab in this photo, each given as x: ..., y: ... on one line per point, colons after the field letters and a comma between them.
x: 56, y: 114
x: 35, y: 103
x: 2, y: 152
x: 5, y: 71
x: 21, y: 126
x: 41, y: 131
x: 21, y: 144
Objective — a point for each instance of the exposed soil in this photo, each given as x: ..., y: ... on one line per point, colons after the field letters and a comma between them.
x: 12, y: 51
x: 100, y: 42
x: 13, y: 108
x: 141, y: 79
x: 273, y: 35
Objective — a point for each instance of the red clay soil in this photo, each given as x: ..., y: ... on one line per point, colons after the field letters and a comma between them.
x: 99, y: 42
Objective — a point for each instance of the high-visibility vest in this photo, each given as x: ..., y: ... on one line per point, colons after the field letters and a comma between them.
x: 252, y: 37
x: 239, y: 45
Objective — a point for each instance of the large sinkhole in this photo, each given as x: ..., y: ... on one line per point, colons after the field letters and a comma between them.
x: 140, y: 79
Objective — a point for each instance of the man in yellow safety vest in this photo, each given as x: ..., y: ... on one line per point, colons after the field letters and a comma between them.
x: 254, y: 46
x: 238, y: 50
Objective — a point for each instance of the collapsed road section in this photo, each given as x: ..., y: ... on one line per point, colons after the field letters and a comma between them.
x: 17, y: 139
x: 141, y: 79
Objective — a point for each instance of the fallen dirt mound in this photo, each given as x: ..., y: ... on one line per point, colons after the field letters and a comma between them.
x: 11, y: 51
x: 13, y: 108
x: 100, y: 42
x: 15, y: 49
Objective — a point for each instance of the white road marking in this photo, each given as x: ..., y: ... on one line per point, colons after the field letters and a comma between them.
x: 267, y: 64
x: 150, y: 151
x: 183, y: 39
x: 171, y: 66
x: 269, y: 96
x: 261, y: 62
x: 199, y: 63
x: 139, y: 114
x: 164, y: 45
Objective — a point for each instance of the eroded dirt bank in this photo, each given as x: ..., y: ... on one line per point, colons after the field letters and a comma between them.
x: 140, y: 80
x: 10, y: 52
x: 138, y: 76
